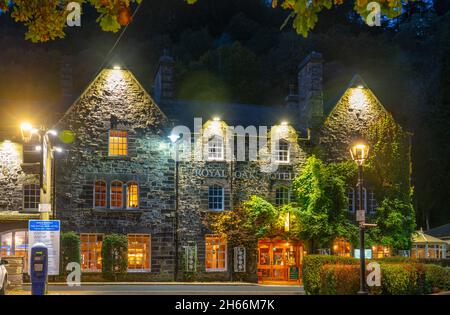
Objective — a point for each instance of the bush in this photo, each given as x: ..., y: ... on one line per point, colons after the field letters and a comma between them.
x: 70, y: 250
x: 311, y: 269
x: 402, y: 279
x: 114, y: 255
x: 339, y: 279
x: 437, y: 278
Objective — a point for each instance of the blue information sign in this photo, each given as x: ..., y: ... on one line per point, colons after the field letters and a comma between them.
x: 43, y: 225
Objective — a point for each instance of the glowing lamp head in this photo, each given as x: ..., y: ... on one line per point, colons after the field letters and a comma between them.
x: 359, y: 153
x: 27, y: 131
x: 57, y: 149
x: 117, y: 67
x: 284, y: 123
x: 52, y: 132
x: 216, y: 118
x: 26, y: 127
x: 174, y: 138
x: 38, y: 148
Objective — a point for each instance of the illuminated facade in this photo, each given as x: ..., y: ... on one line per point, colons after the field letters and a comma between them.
x: 119, y: 175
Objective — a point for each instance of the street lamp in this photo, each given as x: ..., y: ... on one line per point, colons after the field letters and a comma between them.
x: 44, y: 147
x: 174, y: 139
x: 359, y: 153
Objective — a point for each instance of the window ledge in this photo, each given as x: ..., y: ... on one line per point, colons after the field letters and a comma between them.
x: 215, y: 270
x: 118, y: 210
x: 125, y: 158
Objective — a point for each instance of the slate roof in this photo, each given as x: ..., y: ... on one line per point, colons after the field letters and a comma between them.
x: 234, y: 114
x: 442, y: 231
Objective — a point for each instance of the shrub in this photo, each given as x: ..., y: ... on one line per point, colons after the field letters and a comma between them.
x: 437, y: 278
x: 339, y: 279
x: 401, y: 279
x: 114, y: 255
x: 311, y: 269
x: 70, y: 250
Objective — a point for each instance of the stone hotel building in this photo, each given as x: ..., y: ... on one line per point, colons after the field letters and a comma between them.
x: 120, y: 174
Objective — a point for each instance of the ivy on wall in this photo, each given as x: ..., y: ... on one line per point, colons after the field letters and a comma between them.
x: 114, y: 255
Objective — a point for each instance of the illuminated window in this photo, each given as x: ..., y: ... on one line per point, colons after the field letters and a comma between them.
x: 282, y: 152
x: 15, y: 243
x: 351, y: 199
x: 216, y: 198
x: 341, y: 247
x: 91, y: 252
x: 100, y: 194
x: 216, y: 253
x: 138, y: 252
x: 116, y: 194
x: 132, y: 195
x: 281, y: 196
x: 31, y: 197
x: 215, y: 148
x: 380, y: 251
x: 118, y: 143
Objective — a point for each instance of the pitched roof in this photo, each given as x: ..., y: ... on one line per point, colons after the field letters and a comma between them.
x: 421, y: 238
x: 440, y: 231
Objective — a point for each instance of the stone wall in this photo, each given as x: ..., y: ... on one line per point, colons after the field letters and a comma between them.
x: 13, y: 175
x: 115, y: 100
x: 15, y: 271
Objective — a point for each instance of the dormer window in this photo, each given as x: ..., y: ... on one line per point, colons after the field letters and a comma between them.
x: 215, y: 148
x: 282, y: 151
x: 118, y: 143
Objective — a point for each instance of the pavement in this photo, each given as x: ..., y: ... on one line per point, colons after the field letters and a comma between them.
x: 161, y: 288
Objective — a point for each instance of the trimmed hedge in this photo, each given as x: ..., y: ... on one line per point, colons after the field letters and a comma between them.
x: 70, y: 250
x: 311, y: 269
x: 114, y: 255
x: 396, y: 279
x: 339, y: 279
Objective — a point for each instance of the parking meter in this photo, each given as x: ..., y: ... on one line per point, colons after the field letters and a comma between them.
x: 39, y: 269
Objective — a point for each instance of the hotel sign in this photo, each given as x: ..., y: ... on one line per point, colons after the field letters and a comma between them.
x: 220, y: 173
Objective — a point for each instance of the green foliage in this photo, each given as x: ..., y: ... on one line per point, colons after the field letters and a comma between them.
x: 311, y: 269
x: 261, y: 216
x: 402, y: 279
x: 339, y: 279
x: 46, y: 20
x: 70, y: 250
x: 437, y: 277
x: 114, y: 255
x: 320, y: 192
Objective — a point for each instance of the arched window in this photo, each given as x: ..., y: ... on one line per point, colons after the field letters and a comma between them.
x: 282, y: 151
x: 132, y: 195
x: 31, y: 197
x: 215, y: 148
x: 216, y: 198
x: 281, y: 196
x: 100, y: 194
x: 116, y: 194
x: 351, y: 199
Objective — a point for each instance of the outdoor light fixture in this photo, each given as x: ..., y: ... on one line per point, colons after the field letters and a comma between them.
x: 116, y: 67
x: 216, y: 119
x: 360, y: 86
x: 57, y: 149
x: 38, y: 148
x: 359, y: 153
x: 27, y: 131
x: 52, y: 132
x: 174, y: 138
x: 284, y: 123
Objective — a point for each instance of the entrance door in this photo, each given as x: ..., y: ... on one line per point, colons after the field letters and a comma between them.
x: 279, y: 261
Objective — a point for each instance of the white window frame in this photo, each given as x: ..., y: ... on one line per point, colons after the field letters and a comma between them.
x: 149, y: 253
x: 288, y: 196
x: 286, y: 152
x: 37, y: 198
x: 225, y: 251
x: 216, y: 148
x: 109, y: 143
x: 222, y: 204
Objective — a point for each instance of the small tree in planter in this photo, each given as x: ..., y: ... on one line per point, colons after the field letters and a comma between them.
x: 70, y: 250
x: 114, y: 256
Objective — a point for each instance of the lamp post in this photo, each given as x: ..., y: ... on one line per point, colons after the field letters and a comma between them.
x: 44, y: 147
x: 174, y: 139
x: 359, y: 153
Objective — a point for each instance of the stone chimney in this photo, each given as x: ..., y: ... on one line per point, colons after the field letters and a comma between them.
x: 163, y: 88
x: 310, y: 93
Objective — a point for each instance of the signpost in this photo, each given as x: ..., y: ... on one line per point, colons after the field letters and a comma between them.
x: 48, y: 233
